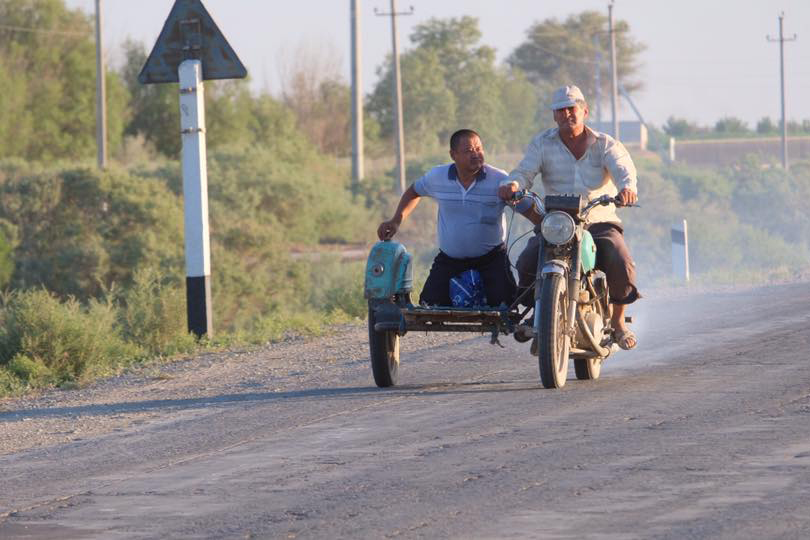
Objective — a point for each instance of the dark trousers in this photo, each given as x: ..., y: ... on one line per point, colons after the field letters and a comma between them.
x: 499, y: 283
x: 612, y: 257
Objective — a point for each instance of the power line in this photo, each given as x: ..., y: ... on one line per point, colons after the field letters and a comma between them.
x: 43, y: 31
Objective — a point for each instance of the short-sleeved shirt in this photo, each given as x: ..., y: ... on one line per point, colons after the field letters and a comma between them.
x: 471, y: 222
x: 604, y: 169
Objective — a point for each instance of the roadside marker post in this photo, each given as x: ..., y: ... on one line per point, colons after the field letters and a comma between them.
x: 190, y: 49
x: 680, y: 251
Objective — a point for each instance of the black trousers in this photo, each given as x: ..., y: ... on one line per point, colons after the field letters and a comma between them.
x: 499, y: 283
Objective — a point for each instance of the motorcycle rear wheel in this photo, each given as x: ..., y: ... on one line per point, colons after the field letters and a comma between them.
x: 553, y: 344
x: 587, y: 368
x: 384, y: 349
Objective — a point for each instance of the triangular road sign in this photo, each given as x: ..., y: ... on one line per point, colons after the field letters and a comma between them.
x: 191, y: 33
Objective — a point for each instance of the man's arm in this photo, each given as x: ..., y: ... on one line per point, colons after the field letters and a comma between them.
x: 622, y: 170
x: 407, y: 203
x: 532, y: 215
x: 523, y: 175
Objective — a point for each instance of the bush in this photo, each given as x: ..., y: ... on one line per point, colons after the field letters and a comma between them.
x: 6, y: 262
x: 45, y: 341
x: 10, y: 384
x: 153, y: 315
x: 337, y: 287
x: 280, y: 325
x: 79, y: 230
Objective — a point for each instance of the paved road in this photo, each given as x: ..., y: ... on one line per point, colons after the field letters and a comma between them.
x: 703, y: 432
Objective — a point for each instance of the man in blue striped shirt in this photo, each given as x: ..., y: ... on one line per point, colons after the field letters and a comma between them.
x: 471, y: 222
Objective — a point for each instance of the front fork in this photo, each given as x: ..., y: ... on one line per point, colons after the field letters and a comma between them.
x: 573, y: 276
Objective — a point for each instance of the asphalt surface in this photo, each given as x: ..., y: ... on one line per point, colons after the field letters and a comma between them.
x: 702, y: 432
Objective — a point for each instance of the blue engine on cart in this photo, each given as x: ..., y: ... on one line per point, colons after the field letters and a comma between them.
x: 388, y: 271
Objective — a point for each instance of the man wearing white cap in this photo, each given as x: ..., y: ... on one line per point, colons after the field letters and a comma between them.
x: 574, y: 159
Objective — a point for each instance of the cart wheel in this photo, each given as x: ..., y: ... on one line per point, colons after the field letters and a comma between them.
x: 384, y: 347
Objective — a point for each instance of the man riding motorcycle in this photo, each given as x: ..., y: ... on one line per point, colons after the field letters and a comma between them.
x: 574, y: 159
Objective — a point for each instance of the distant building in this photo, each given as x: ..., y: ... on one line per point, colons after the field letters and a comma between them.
x: 630, y: 133
x: 722, y: 152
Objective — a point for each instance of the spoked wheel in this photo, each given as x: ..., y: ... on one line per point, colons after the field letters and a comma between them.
x: 384, y: 347
x: 553, y: 344
x: 590, y: 368
x: 587, y: 368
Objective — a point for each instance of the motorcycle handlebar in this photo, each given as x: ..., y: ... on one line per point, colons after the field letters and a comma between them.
x: 604, y: 200
x: 519, y: 194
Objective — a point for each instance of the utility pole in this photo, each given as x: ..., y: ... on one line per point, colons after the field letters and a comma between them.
x: 397, y: 92
x: 614, y: 93
x: 357, y: 99
x: 597, y: 76
x: 101, y: 94
x: 782, y: 41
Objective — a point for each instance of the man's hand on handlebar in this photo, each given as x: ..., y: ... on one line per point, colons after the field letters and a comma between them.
x: 506, y: 192
x: 627, y: 197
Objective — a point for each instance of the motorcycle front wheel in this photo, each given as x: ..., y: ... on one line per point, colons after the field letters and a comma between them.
x: 553, y: 344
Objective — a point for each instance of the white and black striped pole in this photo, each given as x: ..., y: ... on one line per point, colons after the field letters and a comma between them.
x: 195, y: 197
x: 680, y: 251
x: 190, y: 49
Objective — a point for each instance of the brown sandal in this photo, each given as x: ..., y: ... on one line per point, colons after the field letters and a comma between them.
x: 624, y: 338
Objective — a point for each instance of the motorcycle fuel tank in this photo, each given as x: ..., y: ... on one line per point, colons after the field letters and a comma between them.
x: 587, y: 252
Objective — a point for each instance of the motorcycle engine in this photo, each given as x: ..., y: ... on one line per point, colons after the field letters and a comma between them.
x: 594, y: 323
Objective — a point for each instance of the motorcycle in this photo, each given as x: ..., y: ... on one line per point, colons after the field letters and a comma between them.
x: 572, y: 310
x: 570, y: 314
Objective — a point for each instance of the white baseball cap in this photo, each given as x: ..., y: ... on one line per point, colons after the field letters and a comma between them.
x: 566, y: 96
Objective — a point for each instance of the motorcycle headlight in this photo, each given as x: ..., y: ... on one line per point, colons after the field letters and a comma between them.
x: 557, y: 228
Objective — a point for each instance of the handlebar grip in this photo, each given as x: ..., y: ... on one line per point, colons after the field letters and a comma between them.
x: 518, y: 195
x: 618, y: 202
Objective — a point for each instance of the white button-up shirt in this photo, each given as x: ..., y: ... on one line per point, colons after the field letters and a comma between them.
x: 605, y: 169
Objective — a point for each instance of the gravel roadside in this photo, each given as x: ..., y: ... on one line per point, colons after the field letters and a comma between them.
x: 119, y: 403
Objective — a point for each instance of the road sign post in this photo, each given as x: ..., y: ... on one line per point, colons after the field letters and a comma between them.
x: 191, y: 49
x: 680, y: 251
x: 195, y: 196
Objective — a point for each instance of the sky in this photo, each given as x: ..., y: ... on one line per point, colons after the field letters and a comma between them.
x: 705, y: 59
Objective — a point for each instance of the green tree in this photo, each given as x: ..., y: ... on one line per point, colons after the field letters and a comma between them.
x: 565, y: 52
x: 234, y: 117
x: 428, y: 104
x: 731, y: 126
x: 794, y: 127
x: 681, y: 128
x: 766, y: 126
x: 79, y: 230
x: 48, y: 83
x: 450, y: 82
x: 153, y: 108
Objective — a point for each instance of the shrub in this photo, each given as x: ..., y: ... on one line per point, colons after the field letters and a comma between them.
x: 279, y: 325
x: 9, y: 383
x: 153, y: 315
x: 6, y: 262
x: 337, y: 287
x: 45, y: 341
